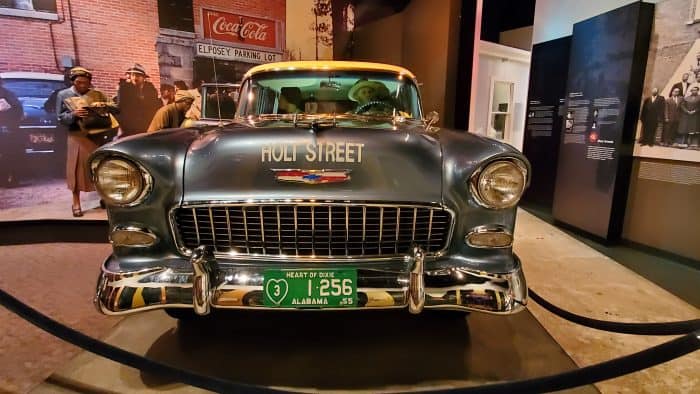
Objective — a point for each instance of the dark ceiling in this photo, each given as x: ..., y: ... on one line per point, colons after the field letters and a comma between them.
x: 502, y: 15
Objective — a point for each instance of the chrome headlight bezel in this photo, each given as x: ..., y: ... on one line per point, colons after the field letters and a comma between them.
x: 475, y: 182
x: 146, y: 181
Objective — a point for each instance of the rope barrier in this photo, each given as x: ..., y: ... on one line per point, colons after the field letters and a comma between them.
x: 671, y: 328
x: 122, y: 356
x: 582, y: 376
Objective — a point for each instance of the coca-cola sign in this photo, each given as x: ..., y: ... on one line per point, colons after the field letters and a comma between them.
x: 239, y: 29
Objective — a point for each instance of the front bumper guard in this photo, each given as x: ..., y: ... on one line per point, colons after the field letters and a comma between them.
x: 209, y: 285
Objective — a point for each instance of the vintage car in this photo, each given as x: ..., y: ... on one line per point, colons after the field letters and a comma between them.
x: 318, y: 195
x: 38, y: 133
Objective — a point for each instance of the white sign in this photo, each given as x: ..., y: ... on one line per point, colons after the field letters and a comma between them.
x: 238, y: 54
x: 328, y: 152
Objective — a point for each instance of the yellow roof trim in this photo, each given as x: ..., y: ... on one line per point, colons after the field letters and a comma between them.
x: 328, y: 65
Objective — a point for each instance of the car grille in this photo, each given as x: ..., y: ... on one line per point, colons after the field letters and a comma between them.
x: 314, y: 230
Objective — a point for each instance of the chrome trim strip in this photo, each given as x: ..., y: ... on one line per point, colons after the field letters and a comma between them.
x: 262, y: 229
x: 347, y: 228
x: 228, y: 223
x: 296, y: 231
x: 364, y: 228
x: 381, y: 227
x: 245, y: 229
x: 398, y: 223
x: 279, y: 229
x: 430, y: 227
x: 196, y: 225
x: 330, y: 230
x: 413, y: 233
x: 295, y: 203
x: 313, y: 231
x: 213, y: 229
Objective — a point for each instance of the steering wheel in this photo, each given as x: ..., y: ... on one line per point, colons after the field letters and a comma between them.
x: 378, y: 103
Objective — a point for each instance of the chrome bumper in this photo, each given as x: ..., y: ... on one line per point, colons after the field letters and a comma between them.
x: 210, y: 285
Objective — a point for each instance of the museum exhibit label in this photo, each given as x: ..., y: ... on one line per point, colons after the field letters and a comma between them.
x: 603, y: 96
x: 545, y: 108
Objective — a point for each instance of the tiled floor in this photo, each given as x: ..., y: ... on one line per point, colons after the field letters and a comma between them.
x: 56, y: 279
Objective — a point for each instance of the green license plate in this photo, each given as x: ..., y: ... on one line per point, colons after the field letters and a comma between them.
x: 310, y: 288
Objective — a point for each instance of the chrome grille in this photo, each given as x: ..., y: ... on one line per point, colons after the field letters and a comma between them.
x: 313, y: 230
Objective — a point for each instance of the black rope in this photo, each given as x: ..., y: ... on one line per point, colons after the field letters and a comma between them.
x: 595, y: 373
x: 671, y: 328
x: 122, y: 356
x: 587, y: 375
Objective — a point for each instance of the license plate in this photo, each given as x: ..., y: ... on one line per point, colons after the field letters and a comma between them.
x: 310, y: 288
x: 41, y: 138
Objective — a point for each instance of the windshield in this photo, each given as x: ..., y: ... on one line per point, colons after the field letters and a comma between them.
x: 32, y: 87
x: 329, y: 92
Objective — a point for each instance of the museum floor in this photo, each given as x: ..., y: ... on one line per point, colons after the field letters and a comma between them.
x: 344, y: 351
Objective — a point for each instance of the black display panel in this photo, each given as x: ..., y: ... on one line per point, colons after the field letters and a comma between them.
x: 605, y: 79
x: 545, y: 109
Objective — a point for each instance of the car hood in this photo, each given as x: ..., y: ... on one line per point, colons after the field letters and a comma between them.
x: 241, y: 163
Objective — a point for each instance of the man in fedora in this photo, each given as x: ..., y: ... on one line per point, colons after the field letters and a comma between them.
x: 138, y: 101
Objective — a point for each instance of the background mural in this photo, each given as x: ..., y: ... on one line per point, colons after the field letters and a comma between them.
x: 669, y: 126
x: 170, y: 42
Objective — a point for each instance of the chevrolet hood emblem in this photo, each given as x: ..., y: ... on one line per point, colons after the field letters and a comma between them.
x: 312, y: 177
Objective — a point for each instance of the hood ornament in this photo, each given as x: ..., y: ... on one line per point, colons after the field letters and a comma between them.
x: 311, y: 177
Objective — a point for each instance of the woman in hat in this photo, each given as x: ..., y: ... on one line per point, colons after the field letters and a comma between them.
x: 72, y: 108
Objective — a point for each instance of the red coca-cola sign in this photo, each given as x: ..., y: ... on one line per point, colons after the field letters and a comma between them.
x: 239, y: 29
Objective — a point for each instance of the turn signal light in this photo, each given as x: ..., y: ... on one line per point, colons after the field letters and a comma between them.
x: 132, y: 237
x: 489, y: 238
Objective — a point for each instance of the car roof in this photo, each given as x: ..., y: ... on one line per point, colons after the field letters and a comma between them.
x: 328, y: 65
x: 30, y: 75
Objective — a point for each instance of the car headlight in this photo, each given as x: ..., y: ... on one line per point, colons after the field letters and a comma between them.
x: 121, y: 182
x: 500, y: 184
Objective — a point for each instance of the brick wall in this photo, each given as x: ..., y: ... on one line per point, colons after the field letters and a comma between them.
x: 110, y: 36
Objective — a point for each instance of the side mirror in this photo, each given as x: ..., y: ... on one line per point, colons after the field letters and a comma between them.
x: 431, y: 118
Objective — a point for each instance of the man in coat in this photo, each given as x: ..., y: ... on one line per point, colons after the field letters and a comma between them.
x: 672, y: 116
x: 138, y: 101
x: 683, y: 86
x: 172, y: 115
x: 652, y: 114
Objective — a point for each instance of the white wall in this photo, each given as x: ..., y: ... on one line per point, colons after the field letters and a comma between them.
x: 556, y: 18
x: 505, y: 64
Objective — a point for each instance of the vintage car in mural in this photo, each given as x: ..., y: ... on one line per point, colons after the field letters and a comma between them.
x: 330, y: 189
x: 38, y: 137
